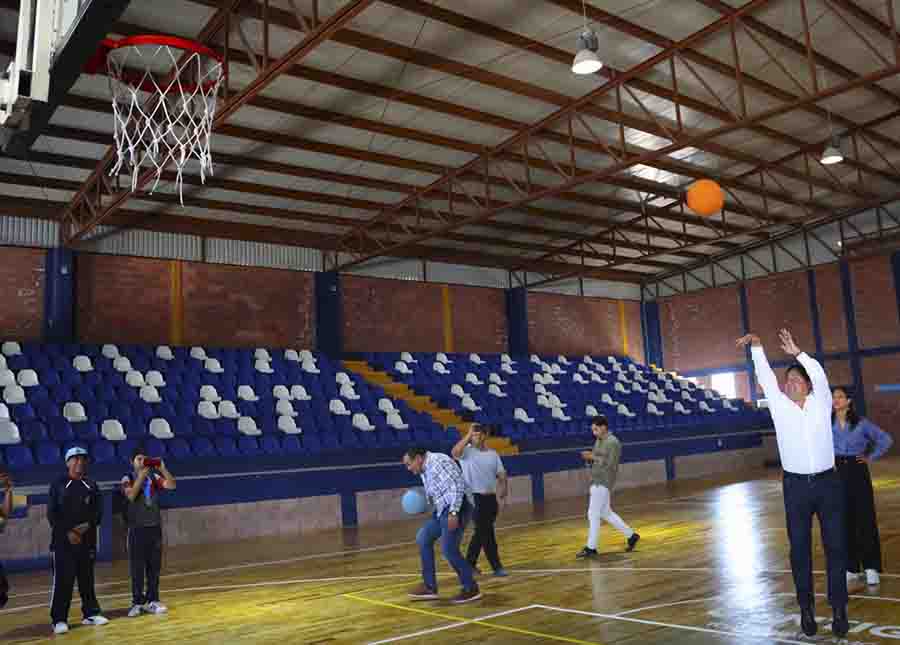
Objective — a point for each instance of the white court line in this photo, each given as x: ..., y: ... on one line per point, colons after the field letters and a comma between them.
x: 442, y: 628
x: 711, y: 598
x: 667, y: 570
x: 655, y: 623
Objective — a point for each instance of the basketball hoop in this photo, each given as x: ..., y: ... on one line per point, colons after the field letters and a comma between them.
x: 164, y: 92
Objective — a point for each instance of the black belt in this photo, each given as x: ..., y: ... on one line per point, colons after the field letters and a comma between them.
x: 810, y: 477
x: 846, y: 459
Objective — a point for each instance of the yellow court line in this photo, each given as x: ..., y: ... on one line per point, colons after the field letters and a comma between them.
x: 471, y: 621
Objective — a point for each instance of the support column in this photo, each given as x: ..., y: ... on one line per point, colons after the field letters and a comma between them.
x: 653, y: 333
x: 852, y: 339
x: 59, y: 296
x: 517, y: 320
x: 328, y: 314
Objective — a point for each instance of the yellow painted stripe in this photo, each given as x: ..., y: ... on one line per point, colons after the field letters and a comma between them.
x: 448, y: 318
x: 176, y: 304
x: 623, y: 328
x: 471, y: 621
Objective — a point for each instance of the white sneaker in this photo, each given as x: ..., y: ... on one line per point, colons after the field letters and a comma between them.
x: 60, y: 628
x: 155, y: 607
x: 96, y: 620
x: 872, y: 577
x: 852, y: 577
x: 135, y: 611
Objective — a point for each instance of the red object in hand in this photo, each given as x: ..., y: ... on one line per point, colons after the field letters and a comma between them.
x: 152, y: 462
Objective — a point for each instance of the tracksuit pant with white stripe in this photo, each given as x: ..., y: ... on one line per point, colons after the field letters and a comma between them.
x: 68, y: 563
x: 599, y: 510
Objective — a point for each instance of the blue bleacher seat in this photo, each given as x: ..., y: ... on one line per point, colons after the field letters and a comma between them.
x: 19, y: 456
x: 103, y: 452
x: 248, y: 447
x: 202, y: 447
x: 179, y: 448
x: 47, y: 453
x: 226, y: 447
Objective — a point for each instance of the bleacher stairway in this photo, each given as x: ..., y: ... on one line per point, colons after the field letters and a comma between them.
x: 444, y: 417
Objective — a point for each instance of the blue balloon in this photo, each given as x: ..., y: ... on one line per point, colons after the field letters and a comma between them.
x: 414, y: 502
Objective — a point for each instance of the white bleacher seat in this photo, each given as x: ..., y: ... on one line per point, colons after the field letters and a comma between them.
x: 396, y: 421
x: 155, y: 378
x: 495, y: 378
x: 122, y: 364
x: 135, y: 379
x: 11, y: 348
x: 336, y: 406
x: 636, y: 387
x: 9, y: 433
x: 160, y: 429
x: 686, y: 396
x: 709, y: 394
x: 7, y: 377
x: 74, y: 412
x: 298, y: 393
x: 247, y: 426
x: 207, y: 410
x: 729, y: 404
x: 495, y: 390
x: 361, y: 422
x: 441, y: 357
x: 228, y: 410
x: 556, y: 402
x: 213, y: 366
x: 2, y: 362
x: 620, y: 387
x: 291, y: 355
x: 624, y: 411
x: 538, y: 378
x: 590, y: 411
x: 306, y: 355
x: 632, y: 367
x: 543, y: 401
x: 473, y: 379
x: 562, y: 360
x: 475, y: 358
x: 457, y: 390
x: 349, y: 393
x: 341, y: 378
x: 549, y: 380
x: 288, y: 426
x: 402, y: 367
x: 164, y: 353
x: 612, y: 360
x: 556, y: 369
x: 284, y: 408
x: 386, y: 406
x: 246, y: 393
x: 607, y: 399
x: 199, y: 353
x: 653, y: 397
x: 281, y: 392
x: 439, y: 368
x: 82, y: 364
x: 539, y: 388
x: 600, y: 368
x: 520, y: 415
x: 589, y: 360
x: 584, y: 369
x: 110, y: 351
x: 557, y: 413
x: 680, y: 408
x: 263, y: 367
x: 112, y: 430
x: 652, y: 409
x: 469, y: 404
x: 705, y: 407
x: 546, y: 367
x: 28, y: 378
x: 506, y: 358
x: 507, y: 368
x: 209, y: 393
x: 406, y: 357
x: 262, y: 354
x: 309, y: 366
x: 14, y: 394
x: 534, y: 358
x: 670, y: 387
x: 149, y: 394
x: 4, y: 411
x: 578, y: 378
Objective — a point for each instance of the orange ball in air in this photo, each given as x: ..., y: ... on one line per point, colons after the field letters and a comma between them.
x: 705, y: 197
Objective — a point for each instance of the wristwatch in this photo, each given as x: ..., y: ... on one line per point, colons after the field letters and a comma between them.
x: 453, y: 513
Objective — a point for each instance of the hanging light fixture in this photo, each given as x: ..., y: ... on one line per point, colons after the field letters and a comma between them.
x: 832, y: 153
x: 586, y: 60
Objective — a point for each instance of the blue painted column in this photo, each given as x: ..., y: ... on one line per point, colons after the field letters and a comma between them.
x: 895, y: 269
x: 814, y: 313
x: 537, y: 487
x: 852, y: 339
x: 59, y: 296
x: 745, y: 329
x: 517, y: 320
x: 653, y: 349
x: 329, y: 339
x: 349, y: 514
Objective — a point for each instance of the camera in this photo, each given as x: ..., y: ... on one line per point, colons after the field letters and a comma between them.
x: 152, y: 462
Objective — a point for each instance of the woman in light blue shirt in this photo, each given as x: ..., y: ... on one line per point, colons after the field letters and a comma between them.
x: 857, y: 442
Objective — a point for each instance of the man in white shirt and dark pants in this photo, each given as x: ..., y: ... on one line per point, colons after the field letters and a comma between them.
x: 802, y: 417
x: 485, y: 478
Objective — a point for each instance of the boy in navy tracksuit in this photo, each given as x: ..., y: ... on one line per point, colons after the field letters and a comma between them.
x: 74, y: 511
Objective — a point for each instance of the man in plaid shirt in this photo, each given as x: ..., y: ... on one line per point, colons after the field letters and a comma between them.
x: 445, y: 488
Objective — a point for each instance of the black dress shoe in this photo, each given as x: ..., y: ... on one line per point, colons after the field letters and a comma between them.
x: 808, y: 621
x: 840, y: 625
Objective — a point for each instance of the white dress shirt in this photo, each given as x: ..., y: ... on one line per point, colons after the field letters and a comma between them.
x: 804, y: 433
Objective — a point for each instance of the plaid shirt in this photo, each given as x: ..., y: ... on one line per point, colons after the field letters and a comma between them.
x: 444, y: 484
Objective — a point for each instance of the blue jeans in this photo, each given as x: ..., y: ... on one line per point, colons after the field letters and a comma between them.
x: 436, y: 528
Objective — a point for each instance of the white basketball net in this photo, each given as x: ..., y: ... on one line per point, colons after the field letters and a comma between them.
x: 164, y: 103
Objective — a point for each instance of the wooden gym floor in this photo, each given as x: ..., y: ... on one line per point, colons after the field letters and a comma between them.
x: 711, y: 567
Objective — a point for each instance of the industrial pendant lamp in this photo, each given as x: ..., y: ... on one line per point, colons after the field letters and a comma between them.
x: 832, y: 153
x: 586, y: 60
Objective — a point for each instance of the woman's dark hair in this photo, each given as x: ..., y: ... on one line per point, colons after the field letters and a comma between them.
x: 852, y: 415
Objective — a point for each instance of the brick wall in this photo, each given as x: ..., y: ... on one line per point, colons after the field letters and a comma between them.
x: 233, y: 306
x: 479, y: 319
x: 391, y: 315
x: 122, y: 299
x: 780, y: 301
x: 830, y: 301
x: 699, y: 329
x: 875, y: 302
x: 559, y: 324
x: 22, y: 293
x: 883, y: 407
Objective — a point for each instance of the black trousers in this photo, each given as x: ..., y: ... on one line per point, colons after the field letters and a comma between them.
x: 68, y: 563
x: 4, y: 587
x: 484, y: 537
x: 863, y: 541
x: 145, y: 558
x: 821, y: 495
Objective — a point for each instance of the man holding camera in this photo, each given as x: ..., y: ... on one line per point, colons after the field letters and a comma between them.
x: 74, y: 511
x: 5, y: 511
x: 141, y: 489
